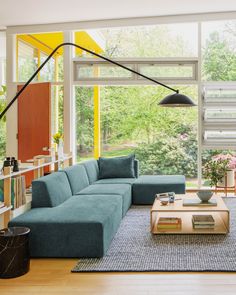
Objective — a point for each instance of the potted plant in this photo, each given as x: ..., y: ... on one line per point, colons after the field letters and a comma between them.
x: 220, y: 170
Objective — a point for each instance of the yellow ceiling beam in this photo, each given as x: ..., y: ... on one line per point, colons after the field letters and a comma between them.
x: 48, y: 41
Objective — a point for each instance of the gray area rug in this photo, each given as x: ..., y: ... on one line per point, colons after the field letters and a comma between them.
x: 134, y: 248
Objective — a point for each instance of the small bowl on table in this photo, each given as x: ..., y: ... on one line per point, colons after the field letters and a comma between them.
x: 204, y: 195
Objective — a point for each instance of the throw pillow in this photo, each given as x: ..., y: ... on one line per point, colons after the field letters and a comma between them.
x: 117, y: 167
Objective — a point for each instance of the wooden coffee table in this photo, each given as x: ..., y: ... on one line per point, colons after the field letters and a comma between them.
x: 220, y: 213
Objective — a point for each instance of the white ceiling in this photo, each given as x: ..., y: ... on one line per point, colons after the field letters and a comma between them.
x: 24, y: 12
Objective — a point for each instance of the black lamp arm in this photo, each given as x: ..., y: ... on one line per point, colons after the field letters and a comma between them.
x: 84, y: 49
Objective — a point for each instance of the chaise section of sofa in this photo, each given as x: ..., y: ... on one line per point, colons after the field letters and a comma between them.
x: 82, y: 226
x: 67, y: 225
x: 146, y: 187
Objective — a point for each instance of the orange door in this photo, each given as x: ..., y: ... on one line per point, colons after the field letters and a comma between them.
x: 34, y: 122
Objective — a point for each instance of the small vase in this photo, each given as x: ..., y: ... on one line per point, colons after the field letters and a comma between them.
x: 60, y: 149
x: 227, y: 180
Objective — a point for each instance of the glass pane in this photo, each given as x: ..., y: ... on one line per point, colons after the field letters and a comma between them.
x: 48, y: 71
x: 84, y: 122
x: 164, y: 140
x: 218, y: 136
x: 167, y: 71
x: 165, y: 40
x: 219, y: 50
x: 101, y: 71
x: 27, y: 61
x: 220, y: 95
x: 220, y: 115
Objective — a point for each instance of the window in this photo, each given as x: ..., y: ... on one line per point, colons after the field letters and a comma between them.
x: 100, y: 70
x: 27, y: 61
x: 84, y: 122
x: 219, y: 115
x: 163, y: 139
x: 219, y: 51
x: 48, y: 71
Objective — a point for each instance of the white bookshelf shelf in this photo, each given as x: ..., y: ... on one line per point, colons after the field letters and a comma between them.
x: 38, y: 169
x: 5, y: 209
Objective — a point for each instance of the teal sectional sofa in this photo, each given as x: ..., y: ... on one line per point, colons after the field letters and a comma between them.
x: 76, y: 214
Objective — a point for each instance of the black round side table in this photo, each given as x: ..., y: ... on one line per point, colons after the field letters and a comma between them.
x: 14, y: 252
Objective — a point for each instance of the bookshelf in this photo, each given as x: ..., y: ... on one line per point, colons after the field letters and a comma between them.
x: 37, y: 167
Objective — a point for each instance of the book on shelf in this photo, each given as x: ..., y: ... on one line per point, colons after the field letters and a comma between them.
x: 203, y: 226
x: 169, y: 223
x: 203, y: 219
x: 169, y: 220
x: 203, y: 222
x: 18, y: 191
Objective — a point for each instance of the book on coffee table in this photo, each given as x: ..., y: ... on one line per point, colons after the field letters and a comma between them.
x: 197, y: 202
x: 169, y: 223
x: 203, y: 219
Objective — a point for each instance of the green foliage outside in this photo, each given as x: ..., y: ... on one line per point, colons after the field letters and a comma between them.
x: 164, y: 140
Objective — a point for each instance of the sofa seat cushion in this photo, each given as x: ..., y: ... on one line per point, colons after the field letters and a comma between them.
x: 83, y: 226
x: 124, y: 190
x: 77, y: 177
x: 146, y: 186
x: 116, y: 181
x: 50, y: 190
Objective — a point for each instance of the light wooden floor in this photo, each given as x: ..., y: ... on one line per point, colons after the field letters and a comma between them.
x: 53, y: 276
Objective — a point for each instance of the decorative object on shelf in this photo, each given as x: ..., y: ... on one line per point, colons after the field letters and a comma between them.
x: 173, y: 100
x: 58, y: 140
x: 164, y: 202
x: 204, y: 195
x: 57, y: 137
x: 163, y: 197
x: 15, y: 166
x: 11, y: 162
x: 7, y: 162
x: 14, y: 252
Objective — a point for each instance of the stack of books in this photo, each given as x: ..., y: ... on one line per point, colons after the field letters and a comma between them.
x: 203, y: 222
x: 165, y: 223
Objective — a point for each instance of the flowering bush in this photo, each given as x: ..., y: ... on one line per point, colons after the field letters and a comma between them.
x: 217, y: 167
x: 57, y: 136
x: 230, y: 158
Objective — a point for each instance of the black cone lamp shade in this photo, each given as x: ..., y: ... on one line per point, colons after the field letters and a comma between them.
x: 176, y: 100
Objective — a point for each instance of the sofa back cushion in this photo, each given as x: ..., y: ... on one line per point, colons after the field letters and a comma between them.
x: 77, y: 177
x: 50, y: 190
x: 117, y: 167
x: 91, y: 167
x: 136, y: 168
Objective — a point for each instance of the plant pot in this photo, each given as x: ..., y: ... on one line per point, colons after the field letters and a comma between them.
x: 227, y: 180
